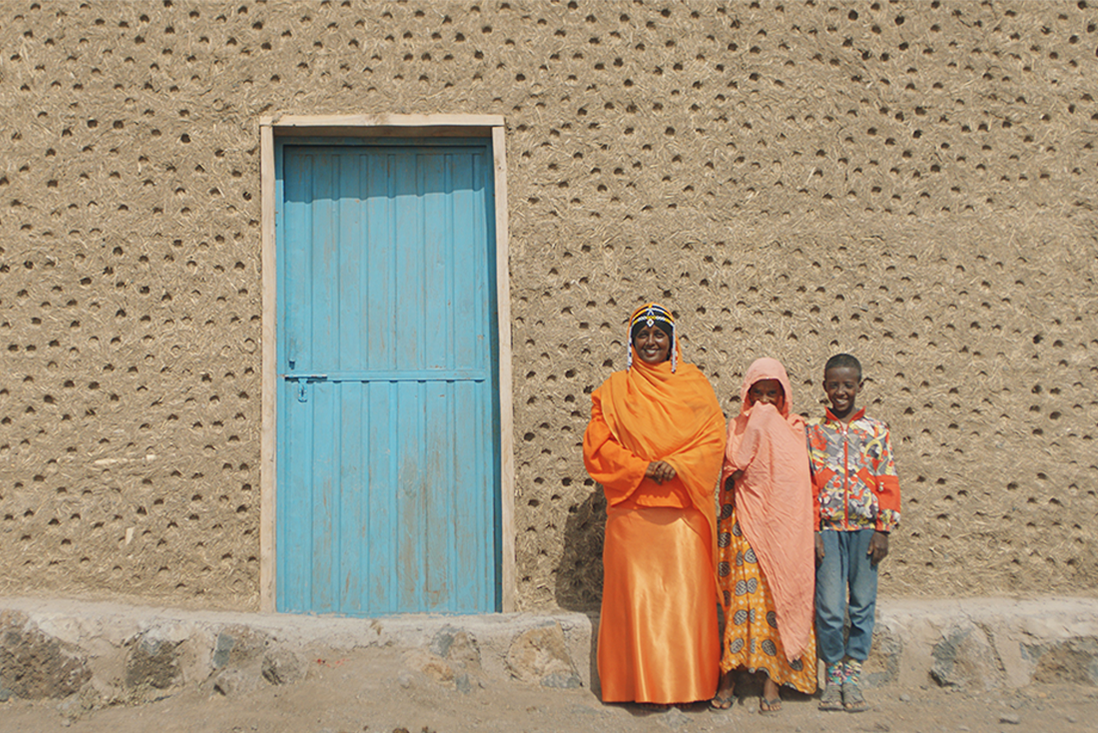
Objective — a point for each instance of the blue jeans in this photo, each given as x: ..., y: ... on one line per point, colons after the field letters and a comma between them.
x: 845, y: 565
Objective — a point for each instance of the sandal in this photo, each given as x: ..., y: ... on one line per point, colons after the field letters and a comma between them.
x: 767, y: 707
x: 722, y: 702
x: 853, y: 699
x: 832, y: 697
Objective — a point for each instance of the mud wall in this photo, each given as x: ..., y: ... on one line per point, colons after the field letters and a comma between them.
x: 912, y: 182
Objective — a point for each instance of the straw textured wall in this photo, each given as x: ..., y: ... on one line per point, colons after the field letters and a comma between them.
x: 913, y: 182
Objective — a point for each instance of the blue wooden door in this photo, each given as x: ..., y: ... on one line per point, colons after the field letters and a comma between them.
x: 388, y: 451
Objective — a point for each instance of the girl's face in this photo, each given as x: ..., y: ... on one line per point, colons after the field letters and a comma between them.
x: 767, y: 392
x: 652, y: 345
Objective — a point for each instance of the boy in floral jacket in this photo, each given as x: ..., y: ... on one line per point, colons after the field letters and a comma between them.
x: 857, y: 501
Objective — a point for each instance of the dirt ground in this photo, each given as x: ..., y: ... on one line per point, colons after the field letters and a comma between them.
x: 381, y: 694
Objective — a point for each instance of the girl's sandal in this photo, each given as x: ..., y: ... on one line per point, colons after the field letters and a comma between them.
x: 770, y: 706
x: 853, y: 699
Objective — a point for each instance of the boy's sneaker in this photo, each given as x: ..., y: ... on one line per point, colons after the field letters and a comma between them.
x: 832, y: 697
x: 853, y: 699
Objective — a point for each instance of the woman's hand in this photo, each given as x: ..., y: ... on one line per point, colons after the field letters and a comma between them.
x: 820, y: 552
x: 660, y: 471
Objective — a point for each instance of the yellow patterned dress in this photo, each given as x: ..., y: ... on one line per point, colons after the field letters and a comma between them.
x: 751, y: 640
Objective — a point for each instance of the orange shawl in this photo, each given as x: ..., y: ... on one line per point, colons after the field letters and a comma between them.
x: 774, y: 501
x: 649, y: 413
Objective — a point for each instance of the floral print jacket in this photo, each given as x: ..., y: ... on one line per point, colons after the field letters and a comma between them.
x: 854, y: 483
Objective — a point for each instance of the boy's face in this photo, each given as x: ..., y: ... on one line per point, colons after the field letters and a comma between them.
x: 842, y: 385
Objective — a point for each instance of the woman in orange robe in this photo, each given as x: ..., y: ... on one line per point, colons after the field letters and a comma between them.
x: 656, y: 443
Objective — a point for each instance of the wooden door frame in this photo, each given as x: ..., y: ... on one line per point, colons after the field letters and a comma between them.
x: 374, y: 126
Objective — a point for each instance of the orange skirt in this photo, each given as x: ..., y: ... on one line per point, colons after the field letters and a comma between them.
x: 658, y: 636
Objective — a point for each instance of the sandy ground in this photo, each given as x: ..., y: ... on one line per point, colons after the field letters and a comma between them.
x: 380, y: 694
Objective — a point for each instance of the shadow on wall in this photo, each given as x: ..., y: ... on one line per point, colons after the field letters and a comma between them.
x: 579, y: 575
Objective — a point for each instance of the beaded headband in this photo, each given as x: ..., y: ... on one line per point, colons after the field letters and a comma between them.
x: 649, y: 315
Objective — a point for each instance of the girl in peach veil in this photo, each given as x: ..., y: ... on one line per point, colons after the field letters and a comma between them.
x: 766, y: 564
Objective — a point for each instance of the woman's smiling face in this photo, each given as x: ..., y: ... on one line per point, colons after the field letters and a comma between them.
x: 652, y: 345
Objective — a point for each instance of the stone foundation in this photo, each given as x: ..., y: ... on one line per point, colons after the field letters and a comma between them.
x: 107, y: 653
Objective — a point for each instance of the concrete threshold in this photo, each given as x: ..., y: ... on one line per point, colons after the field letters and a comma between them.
x: 107, y: 653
